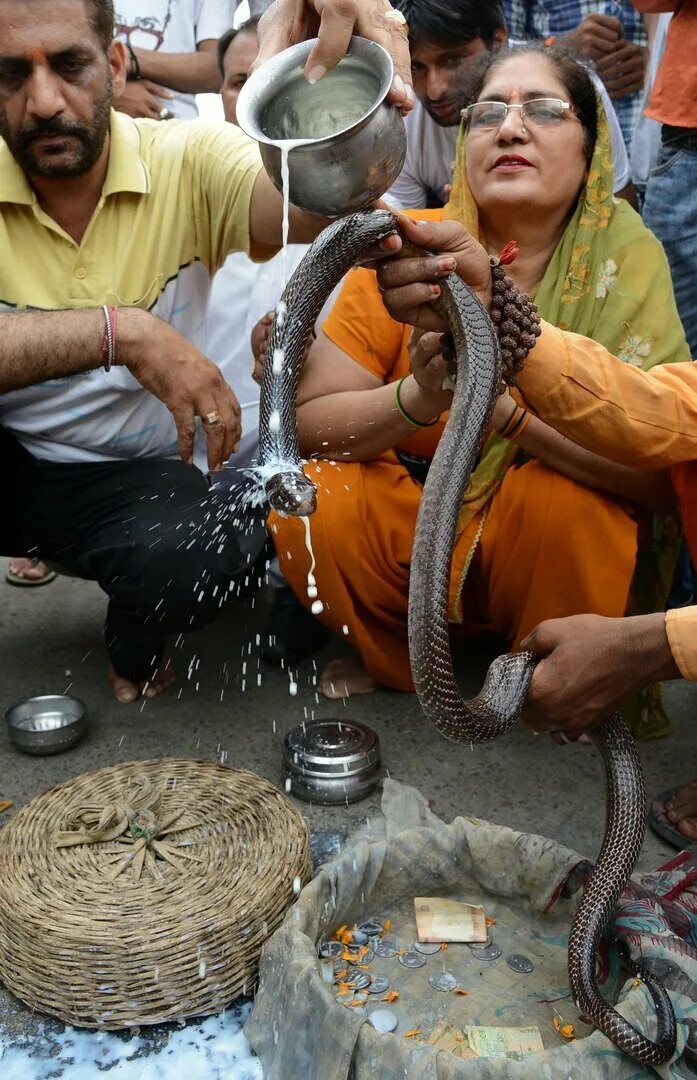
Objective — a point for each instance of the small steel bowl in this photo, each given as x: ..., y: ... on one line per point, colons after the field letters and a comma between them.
x: 46, y: 725
x: 331, y: 761
x: 347, y: 169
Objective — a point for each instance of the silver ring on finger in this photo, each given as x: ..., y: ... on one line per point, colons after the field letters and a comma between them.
x: 164, y: 113
x: 564, y: 738
x: 212, y: 418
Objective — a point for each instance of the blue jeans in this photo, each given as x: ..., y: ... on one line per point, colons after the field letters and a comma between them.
x: 670, y: 211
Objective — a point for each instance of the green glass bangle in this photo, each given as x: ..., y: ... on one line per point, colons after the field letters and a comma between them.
x: 403, y: 412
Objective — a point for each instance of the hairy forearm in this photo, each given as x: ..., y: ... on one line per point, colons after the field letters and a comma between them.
x: 653, y: 491
x: 189, y: 73
x: 35, y: 346
x: 357, y: 425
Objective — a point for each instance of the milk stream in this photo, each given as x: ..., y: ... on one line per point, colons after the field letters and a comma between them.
x: 317, y: 605
x: 285, y: 146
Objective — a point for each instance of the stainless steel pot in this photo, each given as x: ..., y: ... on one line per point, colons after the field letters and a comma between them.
x: 334, y: 171
x: 331, y: 761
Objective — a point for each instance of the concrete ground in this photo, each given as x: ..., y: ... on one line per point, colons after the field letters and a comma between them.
x: 51, y: 641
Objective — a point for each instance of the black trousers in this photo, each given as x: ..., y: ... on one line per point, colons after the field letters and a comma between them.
x: 164, y: 549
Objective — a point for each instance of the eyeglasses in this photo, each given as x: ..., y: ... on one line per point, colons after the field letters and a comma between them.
x: 541, y: 112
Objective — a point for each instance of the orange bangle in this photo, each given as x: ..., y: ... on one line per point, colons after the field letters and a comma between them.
x: 518, y: 427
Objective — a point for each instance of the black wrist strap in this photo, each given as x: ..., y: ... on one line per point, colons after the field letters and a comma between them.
x: 134, y: 73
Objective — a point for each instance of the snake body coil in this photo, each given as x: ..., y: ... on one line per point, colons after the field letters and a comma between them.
x: 498, y: 705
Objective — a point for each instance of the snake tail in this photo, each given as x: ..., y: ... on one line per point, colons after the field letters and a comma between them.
x: 624, y: 834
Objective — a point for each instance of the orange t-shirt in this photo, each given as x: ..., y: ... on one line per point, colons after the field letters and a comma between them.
x: 360, y: 325
x: 674, y: 96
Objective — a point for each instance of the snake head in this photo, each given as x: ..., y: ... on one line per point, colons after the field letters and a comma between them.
x: 292, y: 494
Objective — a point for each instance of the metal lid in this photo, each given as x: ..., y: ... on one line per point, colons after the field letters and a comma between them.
x: 332, y: 748
x: 331, y: 760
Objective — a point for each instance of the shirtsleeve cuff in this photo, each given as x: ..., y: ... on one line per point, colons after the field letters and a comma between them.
x: 681, y: 628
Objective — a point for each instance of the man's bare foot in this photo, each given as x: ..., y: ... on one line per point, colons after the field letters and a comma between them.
x: 29, y: 571
x: 345, y: 677
x: 681, y: 811
x: 127, y: 692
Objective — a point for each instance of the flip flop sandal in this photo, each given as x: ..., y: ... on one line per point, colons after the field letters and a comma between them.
x: 659, y: 823
x: 18, y: 579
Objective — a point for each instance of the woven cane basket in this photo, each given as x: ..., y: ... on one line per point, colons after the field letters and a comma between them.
x: 144, y: 892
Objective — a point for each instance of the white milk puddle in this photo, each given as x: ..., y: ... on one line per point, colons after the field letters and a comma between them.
x: 212, y: 1049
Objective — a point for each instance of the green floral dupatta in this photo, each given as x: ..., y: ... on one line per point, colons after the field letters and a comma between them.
x: 607, y: 280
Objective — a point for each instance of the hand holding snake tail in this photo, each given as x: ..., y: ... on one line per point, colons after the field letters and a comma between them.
x: 497, y: 707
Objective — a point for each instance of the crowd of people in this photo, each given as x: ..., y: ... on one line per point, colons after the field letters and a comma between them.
x: 141, y: 266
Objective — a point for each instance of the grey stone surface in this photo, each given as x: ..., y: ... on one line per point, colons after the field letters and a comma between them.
x: 50, y: 639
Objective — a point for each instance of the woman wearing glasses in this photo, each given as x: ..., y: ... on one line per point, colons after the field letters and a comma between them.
x: 546, y: 529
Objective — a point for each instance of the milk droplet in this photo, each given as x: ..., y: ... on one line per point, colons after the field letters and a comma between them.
x: 293, y: 689
x: 297, y: 885
x: 279, y: 357
x: 289, y: 784
x: 275, y: 421
x: 317, y: 607
x: 344, y: 629
x: 202, y: 970
x: 312, y: 591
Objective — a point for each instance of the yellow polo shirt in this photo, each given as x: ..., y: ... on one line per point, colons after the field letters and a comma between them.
x: 175, y: 203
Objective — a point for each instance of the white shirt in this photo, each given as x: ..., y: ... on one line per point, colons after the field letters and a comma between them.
x: 173, y: 26
x: 242, y: 292
x: 431, y: 152
x: 646, y: 141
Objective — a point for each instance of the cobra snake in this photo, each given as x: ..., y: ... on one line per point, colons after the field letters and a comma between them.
x: 498, y: 705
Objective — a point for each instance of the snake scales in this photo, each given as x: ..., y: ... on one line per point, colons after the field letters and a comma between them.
x: 497, y: 707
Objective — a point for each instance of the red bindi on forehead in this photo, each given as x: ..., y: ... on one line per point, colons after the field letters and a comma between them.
x: 38, y: 55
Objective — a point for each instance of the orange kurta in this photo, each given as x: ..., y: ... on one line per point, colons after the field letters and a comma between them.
x: 544, y: 547
x: 642, y: 418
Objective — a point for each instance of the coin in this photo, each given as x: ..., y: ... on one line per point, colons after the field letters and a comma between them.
x: 489, y: 952
x: 357, y: 980
x: 481, y: 944
x: 443, y: 981
x: 378, y: 985
x: 367, y: 958
x: 346, y: 999
x: 383, y: 1019
x: 372, y: 927
x: 385, y: 947
x: 520, y: 963
x: 412, y: 960
x: 327, y: 969
x: 330, y: 950
x: 358, y: 938
x: 428, y: 948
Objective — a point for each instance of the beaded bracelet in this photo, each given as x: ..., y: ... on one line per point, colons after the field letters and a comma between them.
x: 403, y: 412
x: 513, y: 314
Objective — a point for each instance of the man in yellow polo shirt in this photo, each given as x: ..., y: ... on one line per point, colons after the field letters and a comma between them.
x: 98, y: 211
